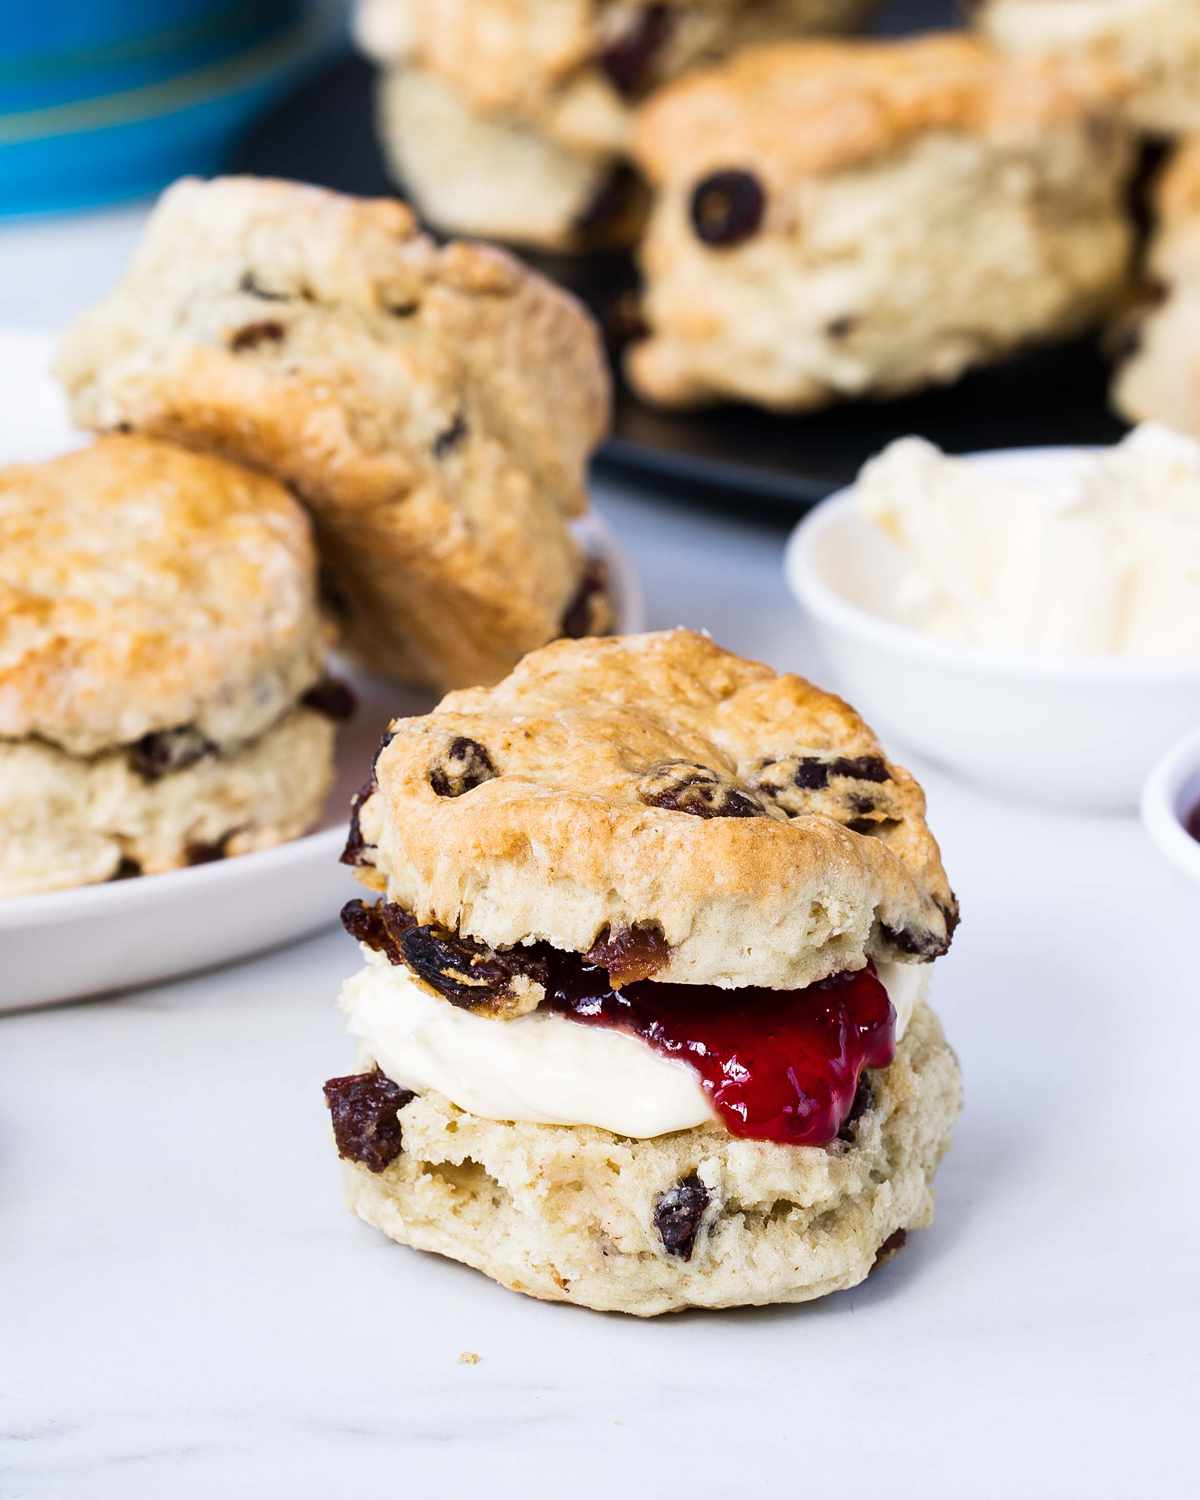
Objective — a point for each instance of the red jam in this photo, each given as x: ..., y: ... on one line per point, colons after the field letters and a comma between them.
x: 778, y: 1065
x: 1192, y: 822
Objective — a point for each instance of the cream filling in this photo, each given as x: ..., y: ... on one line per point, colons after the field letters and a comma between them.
x: 542, y: 1068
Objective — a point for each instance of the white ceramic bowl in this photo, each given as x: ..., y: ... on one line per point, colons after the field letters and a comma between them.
x: 1078, y: 731
x: 1172, y: 790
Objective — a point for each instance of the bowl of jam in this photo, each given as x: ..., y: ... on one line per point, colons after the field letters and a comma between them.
x: 1171, y: 805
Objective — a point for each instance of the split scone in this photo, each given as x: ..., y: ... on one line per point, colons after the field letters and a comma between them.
x: 1156, y: 42
x: 843, y: 219
x: 511, y: 117
x: 1159, y: 377
x: 160, y: 661
x: 434, y: 407
x: 643, y: 1019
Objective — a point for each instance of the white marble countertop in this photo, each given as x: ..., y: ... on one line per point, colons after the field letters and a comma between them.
x: 187, y: 1311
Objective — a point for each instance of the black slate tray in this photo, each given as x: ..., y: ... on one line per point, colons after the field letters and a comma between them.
x: 736, y: 455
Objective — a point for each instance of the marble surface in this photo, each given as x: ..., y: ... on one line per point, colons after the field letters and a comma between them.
x: 186, y: 1310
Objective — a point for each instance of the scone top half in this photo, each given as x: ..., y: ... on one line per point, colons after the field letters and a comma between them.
x: 663, y: 806
x: 434, y: 406
x: 145, y: 590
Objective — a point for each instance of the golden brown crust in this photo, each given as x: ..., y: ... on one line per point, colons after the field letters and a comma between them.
x: 142, y: 588
x: 1177, y: 192
x: 435, y: 407
x: 801, y: 109
x: 564, y: 802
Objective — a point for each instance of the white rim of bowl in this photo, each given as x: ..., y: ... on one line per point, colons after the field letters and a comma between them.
x: 1162, y: 816
x: 811, y: 590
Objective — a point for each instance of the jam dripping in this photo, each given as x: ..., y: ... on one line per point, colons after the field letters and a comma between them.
x: 777, y: 1065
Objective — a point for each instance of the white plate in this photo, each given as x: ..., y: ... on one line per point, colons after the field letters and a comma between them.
x: 64, y: 944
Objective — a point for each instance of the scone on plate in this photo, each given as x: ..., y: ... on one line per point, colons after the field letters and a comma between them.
x: 160, y: 652
x: 1159, y: 377
x: 844, y: 219
x: 434, y: 407
x: 512, y: 119
x: 643, y: 1020
x: 1157, y: 42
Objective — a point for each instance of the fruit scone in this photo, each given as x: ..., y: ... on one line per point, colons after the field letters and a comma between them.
x: 511, y: 117
x: 434, y: 407
x: 161, y: 652
x: 1159, y: 377
x: 1157, y: 42
x: 843, y: 219
x: 643, y: 1018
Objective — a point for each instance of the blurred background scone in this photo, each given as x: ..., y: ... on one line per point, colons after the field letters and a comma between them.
x: 511, y: 117
x: 1157, y: 42
x: 1159, y: 379
x: 435, y: 407
x: 159, y: 633
x: 844, y: 218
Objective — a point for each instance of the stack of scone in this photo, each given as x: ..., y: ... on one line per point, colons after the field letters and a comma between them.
x: 842, y: 219
x: 511, y: 117
x: 161, y: 640
x: 642, y: 1021
x: 161, y: 652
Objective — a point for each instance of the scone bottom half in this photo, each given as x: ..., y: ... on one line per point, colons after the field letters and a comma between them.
x: 583, y: 1123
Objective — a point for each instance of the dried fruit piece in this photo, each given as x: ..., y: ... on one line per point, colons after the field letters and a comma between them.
x: 588, y: 613
x: 727, y: 207
x: 631, y: 954
x: 331, y: 697
x: 677, y: 1215
x: 449, y: 439
x: 628, y: 59
x: 472, y: 975
x: 380, y: 926
x: 465, y: 765
x: 680, y: 786
x: 364, y: 1109
x: 355, y: 852
x: 157, y: 755
x: 268, y: 331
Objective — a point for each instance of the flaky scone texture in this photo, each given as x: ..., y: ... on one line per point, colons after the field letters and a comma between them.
x: 1156, y: 42
x: 1159, y: 381
x: 924, y: 209
x: 573, y: 68
x: 568, y: 1214
x: 143, y: 587
x: 658, y: 782
x: 67, y: 821
x: 434, y: 406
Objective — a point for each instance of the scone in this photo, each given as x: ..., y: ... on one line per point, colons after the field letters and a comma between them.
x: 845, y: 219
x: 643, y: 1019
x: 433, y: 406
x: 160, y: 662
x: 510, y: 118
x: 1159, y: 377
x: 1157, y: 42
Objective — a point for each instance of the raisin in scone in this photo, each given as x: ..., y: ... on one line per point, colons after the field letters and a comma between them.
x: 1159, y: 377
x: 160, y: 660
x: 643, y: 1022
x: 511, y: 118
x: 433, y: 406
x: 844, y: 219
x: 1156, y: 42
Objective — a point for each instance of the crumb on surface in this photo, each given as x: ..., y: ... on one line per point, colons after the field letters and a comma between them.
x: 468, y: 1357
